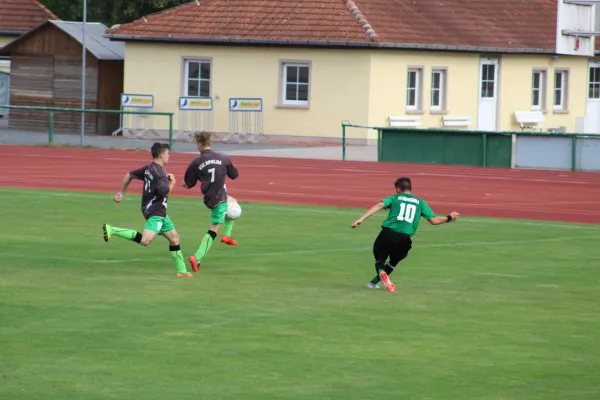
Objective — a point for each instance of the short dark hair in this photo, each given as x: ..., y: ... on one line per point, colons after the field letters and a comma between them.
x: 158, y: 148
x: 403, y: 184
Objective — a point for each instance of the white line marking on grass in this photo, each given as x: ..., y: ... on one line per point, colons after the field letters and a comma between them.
x: 297, y: 209
x: 59, y: 258
x: 499, y: 274
x: 302, y: 252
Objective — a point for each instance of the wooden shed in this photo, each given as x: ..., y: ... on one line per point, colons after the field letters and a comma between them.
x: 46, y: 70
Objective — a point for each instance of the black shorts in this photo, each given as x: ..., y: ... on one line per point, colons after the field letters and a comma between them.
x: 391, y: 244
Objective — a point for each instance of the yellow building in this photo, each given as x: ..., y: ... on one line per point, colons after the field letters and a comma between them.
x: 316, y: 63
x: 18, y: 17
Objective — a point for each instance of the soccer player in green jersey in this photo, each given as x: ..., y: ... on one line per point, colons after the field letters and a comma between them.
x: 395, y: 238
x: 157, y: 187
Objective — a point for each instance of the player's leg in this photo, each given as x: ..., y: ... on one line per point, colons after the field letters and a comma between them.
x: 228, y: 226
x: 109, y: 231
x: 380, y: 254
x: 170, y: 233
x: 398, y: 253
x: 382, y: 249
x: 152, y: 228
x: 217, y: 217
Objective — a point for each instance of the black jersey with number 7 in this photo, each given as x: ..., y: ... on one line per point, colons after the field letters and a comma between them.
x: 211, y: 168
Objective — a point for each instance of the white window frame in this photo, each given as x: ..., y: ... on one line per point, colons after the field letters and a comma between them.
x: 486, y: 81
x: 284, y: 64
x: 441, y: 89
x: 418, y: 89
x: 562, y: 90
x: 593, y: 83
x: 186, y: 78
x: 540, y: 92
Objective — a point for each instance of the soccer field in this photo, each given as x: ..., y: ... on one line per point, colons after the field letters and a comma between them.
x: 485, y: 308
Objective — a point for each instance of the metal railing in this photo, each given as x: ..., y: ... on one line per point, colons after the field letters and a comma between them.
x: 52, y: 110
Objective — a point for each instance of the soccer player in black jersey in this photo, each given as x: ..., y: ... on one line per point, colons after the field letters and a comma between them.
x: 158, y: 184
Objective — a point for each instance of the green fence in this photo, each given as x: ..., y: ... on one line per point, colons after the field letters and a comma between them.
x: 524, y: 149
x: 52, y: 110
x: 444, y: 146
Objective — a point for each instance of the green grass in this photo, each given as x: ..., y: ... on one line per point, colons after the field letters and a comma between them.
x: 485, y: 309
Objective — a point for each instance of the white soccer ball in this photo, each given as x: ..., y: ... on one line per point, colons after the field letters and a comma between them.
x: 234, y: 211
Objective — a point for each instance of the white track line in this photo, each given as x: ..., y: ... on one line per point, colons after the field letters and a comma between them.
x: 373, y: 167
x: 303, y: 252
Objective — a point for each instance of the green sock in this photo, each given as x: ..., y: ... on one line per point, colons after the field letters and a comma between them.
x: 377, y: 279
x: 205, y: 245
x: 177, y: 256
x: 129, y: 234
x: 228, y: 228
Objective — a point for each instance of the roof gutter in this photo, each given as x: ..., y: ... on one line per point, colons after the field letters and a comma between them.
x: 328, y: 44
x: 12, y: 33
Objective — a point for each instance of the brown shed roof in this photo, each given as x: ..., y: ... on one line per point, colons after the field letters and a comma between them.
x: 505, y: 25
x: 20, y: 16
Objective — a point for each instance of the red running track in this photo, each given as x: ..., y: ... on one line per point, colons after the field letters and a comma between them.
x: 516, y: 193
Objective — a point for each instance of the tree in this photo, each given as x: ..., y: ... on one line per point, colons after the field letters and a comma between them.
x: 109, y: 12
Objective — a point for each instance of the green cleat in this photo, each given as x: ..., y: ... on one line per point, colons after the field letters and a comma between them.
x: 106, y: 232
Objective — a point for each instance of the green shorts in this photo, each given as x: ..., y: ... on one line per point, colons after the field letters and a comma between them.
x: 217, y: 214
x: 159, y: 225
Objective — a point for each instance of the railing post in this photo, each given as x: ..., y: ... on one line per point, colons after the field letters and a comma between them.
x: 51, y: 127
x: 379, y: 134
x: 171, y: 131
x: 574, y: 153
x: 484, y: 144
x: 343, y: 142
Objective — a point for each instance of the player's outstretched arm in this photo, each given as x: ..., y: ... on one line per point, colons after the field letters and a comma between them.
x: 453, y: 216
x: 124, y: 184
x: 373, y: 210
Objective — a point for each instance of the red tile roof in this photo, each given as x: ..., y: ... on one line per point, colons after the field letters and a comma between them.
x: 20, y: 16
x: 240, y: 19
x: 505, y: 24
x: 514, y: 24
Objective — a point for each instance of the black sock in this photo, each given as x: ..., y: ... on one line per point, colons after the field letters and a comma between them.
x: 388, y: 268
x: 379, y: 265
x: 213, y: 234
x: 137, y: 238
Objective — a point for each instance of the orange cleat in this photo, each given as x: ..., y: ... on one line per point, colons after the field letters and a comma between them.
x: 228, y: 240
x: 182, y: 275
x: 194, y: 263
x: 386, y: 281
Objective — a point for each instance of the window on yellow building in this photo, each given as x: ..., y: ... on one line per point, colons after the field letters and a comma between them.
x: 413, y: 89
x: 594, y: 83
x: 197, y: 73
x: 296, y: 83
x: 538, y: 90
x: 438, y: 90
x: 488, y: 81
x: 560, y: 90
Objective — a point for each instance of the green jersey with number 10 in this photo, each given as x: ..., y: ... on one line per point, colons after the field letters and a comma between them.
x: 405, y: 213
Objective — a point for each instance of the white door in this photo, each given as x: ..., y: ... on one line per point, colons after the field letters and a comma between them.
x: 488, y: 94
x: 591, y: 122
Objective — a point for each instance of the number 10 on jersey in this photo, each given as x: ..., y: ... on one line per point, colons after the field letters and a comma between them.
x: 407, y: 212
